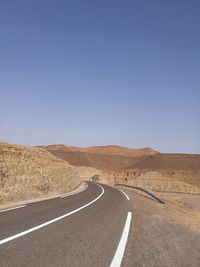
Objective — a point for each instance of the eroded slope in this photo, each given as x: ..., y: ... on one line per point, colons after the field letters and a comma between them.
x: 28, y: 173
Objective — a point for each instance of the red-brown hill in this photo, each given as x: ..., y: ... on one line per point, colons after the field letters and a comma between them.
x: 109, y: 149
x: 103, y: 157
x: 167, y: 161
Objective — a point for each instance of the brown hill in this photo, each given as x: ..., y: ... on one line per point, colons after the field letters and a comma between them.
x: 99, y: 161
x: 162, y: 172
x: 104, y: 157
x: 105, y: 150
x: 145, y: 167
x: 165, y: 161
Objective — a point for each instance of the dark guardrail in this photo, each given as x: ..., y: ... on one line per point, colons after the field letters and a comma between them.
x: 143, y: 190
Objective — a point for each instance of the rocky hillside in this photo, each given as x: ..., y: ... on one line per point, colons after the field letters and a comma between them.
x: 162, y: 172
x: 140, y: 167
x: 160, y: 181
x: 29, y: 173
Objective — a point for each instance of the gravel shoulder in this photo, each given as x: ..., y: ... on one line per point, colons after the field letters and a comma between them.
x: 164, y: 235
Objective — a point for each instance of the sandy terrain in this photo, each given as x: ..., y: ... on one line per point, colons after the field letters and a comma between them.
x: 164, y: 235
x: 185, y: 209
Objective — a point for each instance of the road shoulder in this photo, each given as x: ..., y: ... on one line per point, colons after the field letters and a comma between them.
x: 159, y: 234
x: 77, y: 189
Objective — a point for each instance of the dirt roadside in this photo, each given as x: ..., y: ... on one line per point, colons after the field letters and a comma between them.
x: 164, y: 235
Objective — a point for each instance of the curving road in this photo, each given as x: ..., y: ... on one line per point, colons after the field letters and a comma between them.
x: 89, y: 228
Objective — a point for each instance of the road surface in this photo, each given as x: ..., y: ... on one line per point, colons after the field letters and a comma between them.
x: 89, y: 228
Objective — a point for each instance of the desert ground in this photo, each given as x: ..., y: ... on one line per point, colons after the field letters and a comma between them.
x: 161, y: 234
x: 164, y: 234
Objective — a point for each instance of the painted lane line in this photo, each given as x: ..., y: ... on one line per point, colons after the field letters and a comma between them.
x: 51, y: 221
x: 116, y: 262
x: 71, y: 194
x: 22, y: 206
x: 124, y: 194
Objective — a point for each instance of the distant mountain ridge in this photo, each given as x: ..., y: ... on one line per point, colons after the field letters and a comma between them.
x: 115, y: 157
x: 105, y: 150
x: 110, y: 157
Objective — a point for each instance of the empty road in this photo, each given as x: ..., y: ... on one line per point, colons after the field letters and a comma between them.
x: 89, y: 228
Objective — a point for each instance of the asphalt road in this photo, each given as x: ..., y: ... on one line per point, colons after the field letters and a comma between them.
x: 89, y: 228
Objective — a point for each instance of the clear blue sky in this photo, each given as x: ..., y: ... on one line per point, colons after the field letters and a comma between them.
x: 101, y: 72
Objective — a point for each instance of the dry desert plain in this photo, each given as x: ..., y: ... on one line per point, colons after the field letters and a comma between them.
x: 161, y: 234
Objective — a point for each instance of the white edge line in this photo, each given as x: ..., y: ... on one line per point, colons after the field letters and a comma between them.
x: 117, y: 259
x: 71, y: 194
x: 14, y: 208
x: 33, y: 201
x: 51, y: 221
x: 124, y: 194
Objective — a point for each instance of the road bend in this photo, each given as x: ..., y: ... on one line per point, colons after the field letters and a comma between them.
x: 89, y: 228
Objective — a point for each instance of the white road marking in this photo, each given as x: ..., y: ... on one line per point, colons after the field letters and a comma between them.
x: 14, y: 208
x: 71, y: 194
x: 124, y: 194
x: 51, y: 221
x: 116, y: 262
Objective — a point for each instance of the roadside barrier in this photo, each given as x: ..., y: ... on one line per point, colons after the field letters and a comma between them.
x: 143, y: 190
